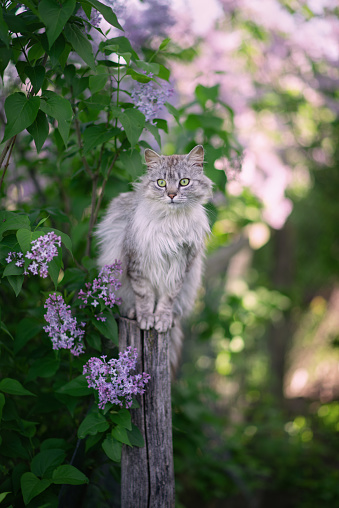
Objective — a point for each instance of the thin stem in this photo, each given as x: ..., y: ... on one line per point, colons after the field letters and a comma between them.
x: 23, y: 48
x: 5, y: 150
x: 9, y: 156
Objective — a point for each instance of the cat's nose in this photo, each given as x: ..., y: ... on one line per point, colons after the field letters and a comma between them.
x: 172, y: 195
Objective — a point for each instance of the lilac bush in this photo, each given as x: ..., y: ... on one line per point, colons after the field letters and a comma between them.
x: 112, y: 379
x: 62, y: 328
x: 43, y: 250
x: 102, y: 288
x: 150, y: 99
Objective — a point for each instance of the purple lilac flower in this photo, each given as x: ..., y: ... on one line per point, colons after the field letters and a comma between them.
x: 112, y: 378
x: 43, y: 250
x: 102, y: 289
x: 149, y: 99
x: 18, y: 256
x: 62, y: 328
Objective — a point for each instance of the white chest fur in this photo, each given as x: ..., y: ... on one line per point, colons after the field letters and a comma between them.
x: 164, y: 240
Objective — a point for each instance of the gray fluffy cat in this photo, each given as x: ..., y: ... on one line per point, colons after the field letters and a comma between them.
x: 158, y: 232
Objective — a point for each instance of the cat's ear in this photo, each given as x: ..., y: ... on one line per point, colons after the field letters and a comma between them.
x: 151, y: 157
x: 196, y: 156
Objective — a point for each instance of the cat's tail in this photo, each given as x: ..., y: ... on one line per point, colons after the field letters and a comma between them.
x: 177, y: 338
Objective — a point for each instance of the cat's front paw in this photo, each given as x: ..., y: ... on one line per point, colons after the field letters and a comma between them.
x: 131, y: 313
x: 163, y: 323
x: 146, y: 321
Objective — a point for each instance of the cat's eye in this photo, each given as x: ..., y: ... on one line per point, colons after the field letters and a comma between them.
x: 184, y: 181
x: 161, y: 183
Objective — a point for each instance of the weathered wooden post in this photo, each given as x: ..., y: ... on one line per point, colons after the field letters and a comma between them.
x: 147, y: 474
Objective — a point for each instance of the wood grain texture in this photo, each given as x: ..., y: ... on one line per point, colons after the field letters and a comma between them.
x: 147, y: 475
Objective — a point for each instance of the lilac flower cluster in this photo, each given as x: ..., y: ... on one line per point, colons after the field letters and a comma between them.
x: 149, y: 99
x: 102, y: 288
x: 43, y: 250
x: 62, y: 327
x: 112, y: 378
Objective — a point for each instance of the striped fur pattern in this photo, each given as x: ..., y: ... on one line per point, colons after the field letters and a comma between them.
x: 158, y: 233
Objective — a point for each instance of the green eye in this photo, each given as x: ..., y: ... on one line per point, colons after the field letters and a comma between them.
x: 161, y: 183
x: 184, y: 181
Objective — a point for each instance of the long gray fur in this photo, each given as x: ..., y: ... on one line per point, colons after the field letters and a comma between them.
x: 160, y: 241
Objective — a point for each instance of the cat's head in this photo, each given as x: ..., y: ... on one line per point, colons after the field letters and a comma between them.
x: 177, y: 181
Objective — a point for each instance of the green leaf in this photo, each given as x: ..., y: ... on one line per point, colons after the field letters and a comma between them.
x: 12, y: 269
x: 57, y: 50
x: 76, y: 388
x: 164, y: 73
x: 97, y: 82
x: 3, y: 495
x: 133, y: 122
x: 132, y: 162
x: 44, y: 367
x: 80, y: 44
x: 68, y: 475
x: 20, y: 113
x: 24, y: 237
x: 54, y: 268
x: 36, y: 76
x: 148, y: 67
x: 35, y: 53
x: 26, y: 330
x: 164, y: 44
x: 107, y: 13
x: 123, y: 418
x: 27, y: 428
x: 55, y: 15
x: 39, y: 130
x: 4, y: 35
x: 92, y: 424
x: 135, y: 437
x: 121, y: 46
x: 137, y: 76
x: 92, y: 441
x: 4, y: 328
x: 56, y: 106
x: 64, y: 127
x: 94, y: 340
x: 174, y: 111
x: 205, y: 93
x: 112, y: 448
x: 120, y: 434
x: 87, y: 9
x: 14, y: 22
x: 12, y: 221
x: 31, y: 486
x: 108, y: 328
x: 95, y: 135
x: 47, y: 460
x: 16, y: 282
x: 5, y: 56
x: 13, y: 387
x: 153, y: 129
